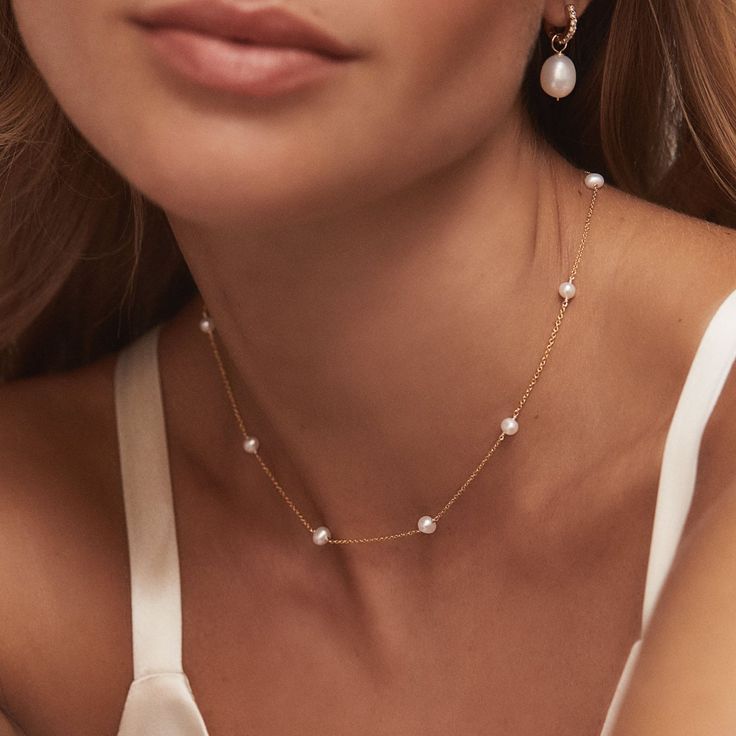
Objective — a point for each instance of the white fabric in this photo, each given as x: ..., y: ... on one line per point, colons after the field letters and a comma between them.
x: 152, y: 544
x: 161, y: 705
x: 706, y: 378
x: 160, y: 700
x: 708, y: 372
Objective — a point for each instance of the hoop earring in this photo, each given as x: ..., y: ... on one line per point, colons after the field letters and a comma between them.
x: 557, y: 76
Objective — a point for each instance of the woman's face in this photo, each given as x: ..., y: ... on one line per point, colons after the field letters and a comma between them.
x: 430, y: 80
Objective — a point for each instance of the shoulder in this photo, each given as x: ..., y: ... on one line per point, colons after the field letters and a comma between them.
x: 665, y: 276
x: 57, y: 440
x: 58, y: 506
x: 685, y: 679
x: 662, y: 240
x: 674, y: 262
x: 660, y: 274
x: 679, y: 271
x: 54, y: 429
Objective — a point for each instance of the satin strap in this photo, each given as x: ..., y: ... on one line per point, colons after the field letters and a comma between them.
x: 708, y: 372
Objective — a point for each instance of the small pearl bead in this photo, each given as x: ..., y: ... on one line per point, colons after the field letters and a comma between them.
x: 251, y: 445
x: 320, y: 535
x: 206, y: 324
x: 567, y: 290
x: 594, y: 180
x: 426, y: 524
x: 558, y: 76
x: 509, y: 426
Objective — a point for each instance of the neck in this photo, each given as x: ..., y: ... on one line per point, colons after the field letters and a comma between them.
x: 373, y: 353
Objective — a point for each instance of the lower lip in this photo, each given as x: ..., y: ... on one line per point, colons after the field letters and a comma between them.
x: 239, y: 68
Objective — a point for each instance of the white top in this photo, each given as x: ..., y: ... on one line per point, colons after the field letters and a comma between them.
x: 160, y: 699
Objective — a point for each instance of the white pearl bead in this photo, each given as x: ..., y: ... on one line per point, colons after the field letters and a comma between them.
x: 567, y: 290
x: 320, y: 535
x: 509, y: 426
x: 251, y: 445
x: 426, y: 524
x: 594, y: 180
x: 558, y: 76
x: 206, y: 324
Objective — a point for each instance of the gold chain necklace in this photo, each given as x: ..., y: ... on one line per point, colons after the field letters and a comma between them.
x: 321, y: 535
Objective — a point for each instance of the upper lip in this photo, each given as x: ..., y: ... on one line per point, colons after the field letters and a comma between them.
x: 270, y: 25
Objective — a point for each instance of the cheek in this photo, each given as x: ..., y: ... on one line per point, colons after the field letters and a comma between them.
x: 438, y: 77
x: 471, y: 48
x: 451, y: 71
x: 81, y: 52
x: 72, y: 42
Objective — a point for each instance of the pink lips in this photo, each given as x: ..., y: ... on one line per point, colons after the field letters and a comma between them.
x: 256, y: 52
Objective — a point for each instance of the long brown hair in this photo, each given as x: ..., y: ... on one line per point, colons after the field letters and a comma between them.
x: 87, y: 263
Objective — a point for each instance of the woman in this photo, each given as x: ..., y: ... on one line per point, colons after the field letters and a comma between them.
x: 279, y: 277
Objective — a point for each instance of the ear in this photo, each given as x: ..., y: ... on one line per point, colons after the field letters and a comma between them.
x: 554, y: 14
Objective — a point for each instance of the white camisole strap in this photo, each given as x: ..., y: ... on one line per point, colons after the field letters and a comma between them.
x: 152, y: 541
x: 708, y: 373
x: 711, y: 366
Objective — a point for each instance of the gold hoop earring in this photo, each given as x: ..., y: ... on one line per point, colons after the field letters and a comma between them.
x: 558, y: 75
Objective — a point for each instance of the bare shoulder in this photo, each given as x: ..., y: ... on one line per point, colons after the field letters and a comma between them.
x: 57, y: 438
x: 660, y: 274
x: 685, y: 679
x: 674, y: 272
x: 666, y: 276
x: 54, y: 428
x: 670, y: 252
x: 59, y: 519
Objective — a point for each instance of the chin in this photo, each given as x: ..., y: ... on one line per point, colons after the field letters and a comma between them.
x: 204, y: 180
x: 237, y: 187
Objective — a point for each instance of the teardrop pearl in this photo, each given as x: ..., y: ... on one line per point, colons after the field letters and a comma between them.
x: 321, y: 535
x: 426, y: 524
x: 558, y: 76
x: 251, y: 445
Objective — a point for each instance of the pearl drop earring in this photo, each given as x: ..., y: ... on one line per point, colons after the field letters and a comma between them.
x: 558, y: 74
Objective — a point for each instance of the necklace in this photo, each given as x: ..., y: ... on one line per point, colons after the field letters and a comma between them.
x: 427, y: 524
